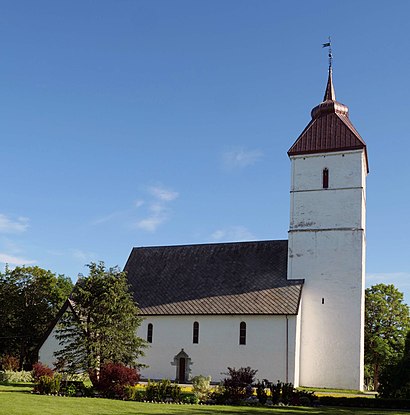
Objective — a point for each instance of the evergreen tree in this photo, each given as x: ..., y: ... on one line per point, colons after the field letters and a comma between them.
x: 386, y: 325
x: 101, y: 324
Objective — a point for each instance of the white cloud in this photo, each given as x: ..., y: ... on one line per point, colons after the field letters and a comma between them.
x: 138, y: 203
x: 10, y: 246
x: 157, y: 208
x: 158, y: 215
x: 151, y: 223
x: 106, y: 218
x: 14, y: 260
x: 218, y: 235
x: 240, y: 157
x: 233, y: 233
x: 8, y: 225
x: 163, y: 194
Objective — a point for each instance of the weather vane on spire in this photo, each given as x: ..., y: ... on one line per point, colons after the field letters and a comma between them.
x: 329, y: 45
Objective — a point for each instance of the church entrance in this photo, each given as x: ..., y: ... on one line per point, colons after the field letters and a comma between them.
x: 182, y: 362
x: 182, y: 365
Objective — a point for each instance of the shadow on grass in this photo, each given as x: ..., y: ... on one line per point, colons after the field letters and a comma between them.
x: 16, y: 387
x: 233, y: 410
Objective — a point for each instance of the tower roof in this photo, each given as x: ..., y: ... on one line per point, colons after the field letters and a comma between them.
x: 330, y: 129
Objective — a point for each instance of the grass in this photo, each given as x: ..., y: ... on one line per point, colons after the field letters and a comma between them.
x: 18, y: 400
x: 331, y: 391
x: 339, y: 392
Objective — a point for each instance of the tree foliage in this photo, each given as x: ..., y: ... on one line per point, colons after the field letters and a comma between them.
x: 102, y: 324
x: 395, y: 378
x: 30, y: 298
x: 386, y: 326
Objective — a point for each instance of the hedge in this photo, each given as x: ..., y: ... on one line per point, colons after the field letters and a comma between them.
x: 377, y: 403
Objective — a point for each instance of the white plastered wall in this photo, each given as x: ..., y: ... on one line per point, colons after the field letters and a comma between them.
x: 267, y: 348
x: 327, y: 249
x: 51, y: 345
x: 46, y: 352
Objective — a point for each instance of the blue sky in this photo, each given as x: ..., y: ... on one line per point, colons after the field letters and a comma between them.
x: 134, y: 123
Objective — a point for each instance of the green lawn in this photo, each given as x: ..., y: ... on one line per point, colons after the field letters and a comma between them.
x: 17, y: 400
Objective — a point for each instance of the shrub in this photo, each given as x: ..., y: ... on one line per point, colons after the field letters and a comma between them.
x: 40, y: 370
x: 304, y: 401
x: 237, y: 382
x: 287, y: 393
x: 11, y: 376
x: 162, y: 391
x: 304, y: 398
x: 219, y: 395
x: 8, y: 362
x: 73, y: 388
x: 70, y: 390
x: 275, y: 392
x: 201, y: 386
x: 189, y: 398
x: 114, y: 377
x: 47, y: 385
x: 283, y: 393
x: 359, y: 402
x: 133, y: 393
x: 261, y: 391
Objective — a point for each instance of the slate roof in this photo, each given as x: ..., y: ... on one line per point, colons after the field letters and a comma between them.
x: 330, y: 129
x: 211, y: 279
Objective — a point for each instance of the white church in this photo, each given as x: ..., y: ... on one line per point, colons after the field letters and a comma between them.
x: 292, y: 309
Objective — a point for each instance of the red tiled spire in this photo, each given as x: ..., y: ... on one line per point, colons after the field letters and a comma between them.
x: 330, y: 129
x: 330, y: 91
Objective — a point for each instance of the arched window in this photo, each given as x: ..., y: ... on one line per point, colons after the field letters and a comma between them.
x: 325, y: 178
x: 195, y: 333
x: 242, y: 333
x: 150, y: 329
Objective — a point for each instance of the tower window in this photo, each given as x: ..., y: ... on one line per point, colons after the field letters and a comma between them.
x: 242, y: 333
x: 150, y: 329
x: 195, y: 333
x: 325, y: 178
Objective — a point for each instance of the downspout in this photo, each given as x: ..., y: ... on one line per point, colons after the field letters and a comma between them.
x: 287, y: 349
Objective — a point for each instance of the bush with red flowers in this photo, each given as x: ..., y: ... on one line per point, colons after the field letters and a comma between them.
x: 114, y: 377
x: 40, y: 370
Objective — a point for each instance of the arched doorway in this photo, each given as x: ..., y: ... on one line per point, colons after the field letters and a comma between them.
x: 182, y: 362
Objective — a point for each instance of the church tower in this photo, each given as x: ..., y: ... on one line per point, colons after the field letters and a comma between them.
x: 327, y: 244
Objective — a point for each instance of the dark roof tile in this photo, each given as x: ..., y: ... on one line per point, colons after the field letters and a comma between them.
x: 227, y: 278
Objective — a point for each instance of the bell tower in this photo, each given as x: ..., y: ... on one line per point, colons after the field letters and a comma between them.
x: 327, y: 244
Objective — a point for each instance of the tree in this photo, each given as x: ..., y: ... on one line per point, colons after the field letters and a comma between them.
x: 386, y: 325
x: 102, y: 329
x: 395, y: 379
x: 30, y: 298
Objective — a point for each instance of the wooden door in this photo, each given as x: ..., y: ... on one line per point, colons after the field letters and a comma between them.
x: 182, y: 365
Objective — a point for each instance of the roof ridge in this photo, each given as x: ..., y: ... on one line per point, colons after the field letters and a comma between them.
x: 210, y: 244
